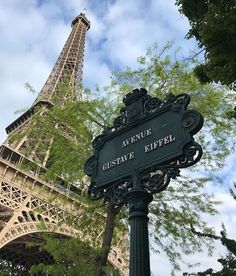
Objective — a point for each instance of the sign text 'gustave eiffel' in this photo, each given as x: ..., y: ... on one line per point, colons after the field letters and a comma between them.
x: 147, y: 148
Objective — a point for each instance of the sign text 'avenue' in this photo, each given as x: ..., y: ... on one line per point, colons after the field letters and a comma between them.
x: 147, y: 148
x: 150, y: 135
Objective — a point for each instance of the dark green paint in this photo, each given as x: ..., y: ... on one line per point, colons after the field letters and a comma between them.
x: 162, y: 125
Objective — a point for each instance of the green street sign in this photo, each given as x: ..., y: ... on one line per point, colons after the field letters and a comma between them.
x: 138, y: 155
x: 152, y: 137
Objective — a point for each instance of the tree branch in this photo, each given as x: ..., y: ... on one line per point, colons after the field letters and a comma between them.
x: 200, y: 234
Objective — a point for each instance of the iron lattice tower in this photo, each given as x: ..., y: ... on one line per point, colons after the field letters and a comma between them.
x: 69, y: 65
x: 24, y: 195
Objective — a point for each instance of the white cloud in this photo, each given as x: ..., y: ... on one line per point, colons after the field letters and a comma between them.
x: 96, y: 73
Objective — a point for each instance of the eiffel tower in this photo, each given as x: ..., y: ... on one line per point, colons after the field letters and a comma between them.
x: 24, y: 195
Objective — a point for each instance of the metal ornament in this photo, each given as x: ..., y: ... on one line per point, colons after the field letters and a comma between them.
x: 139, y: 109
x: 138, y: 155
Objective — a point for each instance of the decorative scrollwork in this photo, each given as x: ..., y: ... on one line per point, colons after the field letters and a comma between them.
x: 119, y: 121
x: 91, y: 166
x: 152, y: 104
x: 192, y: 121
x: 141, y: 112
x: 192, y: 152
x: 158, y: 181
x: 95, y: 193
x: 98, y: 142
x: 115, y: 193
x: 180, y: 101
x: 170, y: 98
x: 139, y: 105
x: 135, y: 96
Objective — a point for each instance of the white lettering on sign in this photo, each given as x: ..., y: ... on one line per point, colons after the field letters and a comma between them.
x: 139, y: 136
x: 147, y: 148
x: 122, y: 159
x: 159, y: 143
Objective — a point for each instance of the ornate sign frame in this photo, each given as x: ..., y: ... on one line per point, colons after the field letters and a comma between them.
x: 169, y: 135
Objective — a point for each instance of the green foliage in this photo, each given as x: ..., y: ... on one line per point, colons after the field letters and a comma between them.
x: 213, y: 25
x: 63, y: 134
x: 184, y: 202
x: 72, y: 258
x: 68, y: 130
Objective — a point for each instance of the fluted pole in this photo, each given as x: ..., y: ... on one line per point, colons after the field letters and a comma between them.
x: 139, y: 199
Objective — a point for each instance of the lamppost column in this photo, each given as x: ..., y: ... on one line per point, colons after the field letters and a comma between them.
x: 139, y: 199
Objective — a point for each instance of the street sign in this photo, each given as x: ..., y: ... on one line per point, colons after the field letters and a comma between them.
x: 150, y: 135
x: 137, y: 156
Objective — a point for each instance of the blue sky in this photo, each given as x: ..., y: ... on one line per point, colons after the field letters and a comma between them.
x: 33, y: 32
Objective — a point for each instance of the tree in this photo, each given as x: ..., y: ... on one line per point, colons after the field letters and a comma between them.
x: 213, y: 26
x: 174, y: 211
x: 68, y: 128
x: 71, y: 257
x: 229, y: 262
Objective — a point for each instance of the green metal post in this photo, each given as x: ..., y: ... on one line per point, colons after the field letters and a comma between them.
x: 139, y: 199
